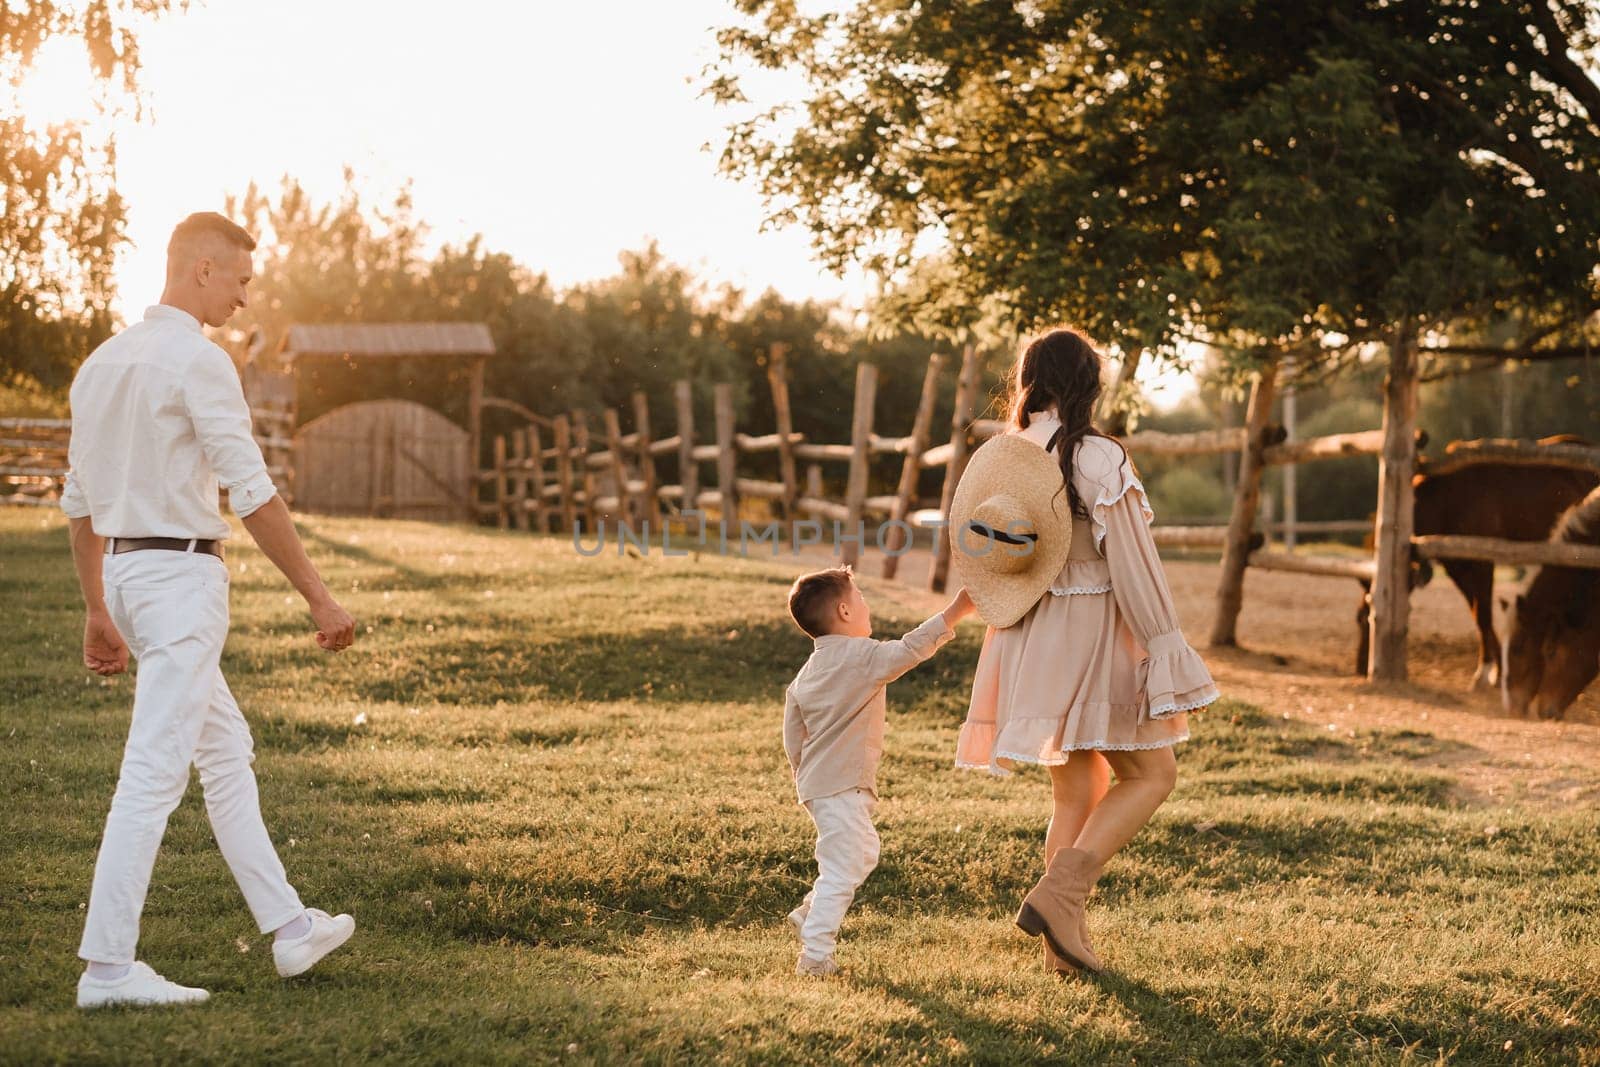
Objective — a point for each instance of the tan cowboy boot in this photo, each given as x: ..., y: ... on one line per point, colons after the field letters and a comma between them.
x: 1053, y: 909
x: 1058, y: 966
x: 1054, y: 964
x: 1083, y: 935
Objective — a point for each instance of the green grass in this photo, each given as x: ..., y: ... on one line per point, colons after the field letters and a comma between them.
x: 566, y: 830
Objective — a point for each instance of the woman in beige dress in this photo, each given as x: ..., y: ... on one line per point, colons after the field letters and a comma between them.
x: 1096, y: 679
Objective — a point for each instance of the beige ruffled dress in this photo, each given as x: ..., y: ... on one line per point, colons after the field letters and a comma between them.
x: 1099, y: 663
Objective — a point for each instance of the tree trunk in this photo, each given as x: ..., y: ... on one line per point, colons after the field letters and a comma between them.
x: 1247, y: 497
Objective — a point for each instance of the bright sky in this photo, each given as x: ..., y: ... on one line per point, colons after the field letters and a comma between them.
x: 564, y: 133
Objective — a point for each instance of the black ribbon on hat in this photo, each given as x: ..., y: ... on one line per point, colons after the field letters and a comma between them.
x: 983, y: 529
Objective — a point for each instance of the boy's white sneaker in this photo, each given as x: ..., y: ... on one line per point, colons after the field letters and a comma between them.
x: 140, y: 986
x: 797, y: 918
x: 810, y: 968
x: 298, y: 955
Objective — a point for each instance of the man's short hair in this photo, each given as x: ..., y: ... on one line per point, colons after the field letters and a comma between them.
x: 203, y: 224
x: 813, y: 597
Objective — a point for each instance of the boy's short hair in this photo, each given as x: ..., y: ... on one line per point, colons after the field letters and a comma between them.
x: 813, y: 597
x: 203, y: 225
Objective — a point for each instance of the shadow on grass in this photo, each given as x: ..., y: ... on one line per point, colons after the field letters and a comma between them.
x: 752, y: 662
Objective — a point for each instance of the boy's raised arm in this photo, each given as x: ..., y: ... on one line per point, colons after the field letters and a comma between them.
x: 891, y: 659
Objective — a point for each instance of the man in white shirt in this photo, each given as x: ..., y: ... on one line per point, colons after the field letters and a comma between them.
x: 159, y: 422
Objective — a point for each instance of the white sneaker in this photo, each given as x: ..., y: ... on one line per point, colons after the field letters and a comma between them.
x: 298, y: 955
x: 140, y: 985
x: 810, y: 968
x: 797, y: 918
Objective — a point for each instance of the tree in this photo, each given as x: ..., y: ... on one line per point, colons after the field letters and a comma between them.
x: 1256, y: 176
x: 63, y: 221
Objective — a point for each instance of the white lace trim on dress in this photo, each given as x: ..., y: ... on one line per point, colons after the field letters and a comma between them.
x: 1102, y: 501
x: 1168, y: 710
x: 1080, y: 590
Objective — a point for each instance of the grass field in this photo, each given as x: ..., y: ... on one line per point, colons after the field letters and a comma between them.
x: 553, y: 793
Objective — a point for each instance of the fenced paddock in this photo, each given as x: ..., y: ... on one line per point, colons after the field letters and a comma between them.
x: 580, y: 478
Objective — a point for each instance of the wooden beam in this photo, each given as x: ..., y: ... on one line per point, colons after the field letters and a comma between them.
x: 967, y: 385
x: 1326, y: 566
x: 1391, y: 583
x: 585, y: 475
x: 619, y: 472
x: 778, y: 382
x: 905, y: 493
x: 563, y: 448
x: 1459, y: 454
x: 1334, y: 446
x: 1246, y: 499
x: 688, y: 470
x: 649, y: 502
x: 502, y: 503
x: 828, y: 509
x: 825, y: 453
x: 767, y: 442
x: 1201, y: 443
x: 541, y: 513
x: 763, y: 490
x: 474, y: 428
x: 1508, y: 553
x: 727, y: 454
x: 855, y: 493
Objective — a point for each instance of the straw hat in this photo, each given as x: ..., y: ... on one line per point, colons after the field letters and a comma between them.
x: 1010, y: 527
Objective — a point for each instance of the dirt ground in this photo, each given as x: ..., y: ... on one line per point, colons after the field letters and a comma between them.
x: 1297, y: 638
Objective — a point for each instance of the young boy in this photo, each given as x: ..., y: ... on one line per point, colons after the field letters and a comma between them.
x: 833, y: 734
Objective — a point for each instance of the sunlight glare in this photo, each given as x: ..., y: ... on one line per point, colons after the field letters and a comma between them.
x: 59, y: 87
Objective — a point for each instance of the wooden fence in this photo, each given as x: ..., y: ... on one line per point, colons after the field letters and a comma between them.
x: 553, y: 476
x: 33, y: 456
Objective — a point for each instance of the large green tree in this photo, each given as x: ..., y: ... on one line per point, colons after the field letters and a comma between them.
x: 1256, y: 175
x: 62, y: 221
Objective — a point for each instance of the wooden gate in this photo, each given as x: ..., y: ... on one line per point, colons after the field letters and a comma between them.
x: 386, y: 458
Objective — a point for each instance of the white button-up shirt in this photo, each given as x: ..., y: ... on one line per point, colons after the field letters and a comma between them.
x: 159, y: 421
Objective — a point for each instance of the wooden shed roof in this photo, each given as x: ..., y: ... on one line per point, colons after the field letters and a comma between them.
x: 464, y: 339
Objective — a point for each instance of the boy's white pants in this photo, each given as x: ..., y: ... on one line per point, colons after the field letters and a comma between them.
x: 847, y: 851
x: 172, y: 609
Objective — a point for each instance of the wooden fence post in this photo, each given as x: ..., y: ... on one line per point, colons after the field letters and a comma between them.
x: 688, y: 469
x: 502, y: 516
x: 727, y: 463
x: 1247, y: 496
x: 541, y: 511
x: 966, y: 404
x: 778, y: 380
x: 474, y: 436
x: 619, y: 470
x: 814, y: 481
x: 647, y: 460
x: 585, y: 475
x: 519, y: 479
x: 855, y: 493
x: 911, y: 470
x: 562, y: 431
x: 1391, y: 584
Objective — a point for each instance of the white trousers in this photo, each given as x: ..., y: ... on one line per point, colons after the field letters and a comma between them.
x: 172, y: 609
x: 847, y: 851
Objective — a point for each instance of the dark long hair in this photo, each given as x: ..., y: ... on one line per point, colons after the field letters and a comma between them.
x: 1060, y: 369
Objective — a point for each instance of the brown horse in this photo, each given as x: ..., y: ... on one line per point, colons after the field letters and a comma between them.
x: 1553, y: 650
x: 1507, y: 501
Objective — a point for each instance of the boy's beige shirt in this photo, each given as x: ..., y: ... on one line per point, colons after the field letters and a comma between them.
x: 834, y: 709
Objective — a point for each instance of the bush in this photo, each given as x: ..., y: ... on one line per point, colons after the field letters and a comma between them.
x: 1184, y: 492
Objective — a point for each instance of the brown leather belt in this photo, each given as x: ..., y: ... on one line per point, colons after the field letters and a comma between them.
x: 116, y: 546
